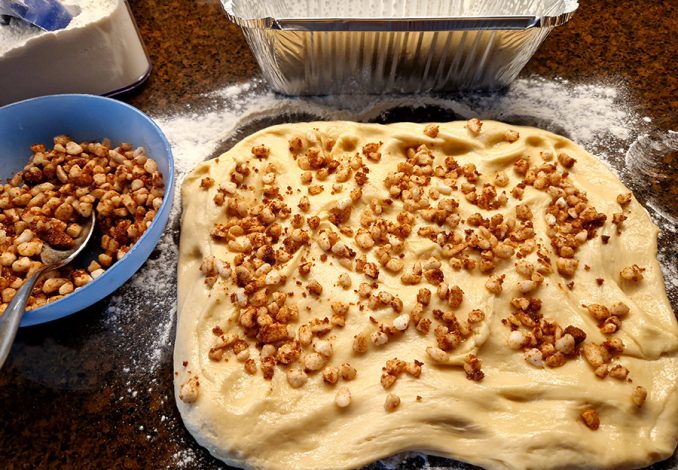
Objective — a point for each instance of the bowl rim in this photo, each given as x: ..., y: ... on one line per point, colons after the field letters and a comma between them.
x: 32, y: 317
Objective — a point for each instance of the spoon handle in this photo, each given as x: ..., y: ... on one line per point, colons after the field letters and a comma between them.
x: 10, y: 319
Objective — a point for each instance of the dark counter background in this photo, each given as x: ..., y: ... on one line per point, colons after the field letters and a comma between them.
x: 65, y: 400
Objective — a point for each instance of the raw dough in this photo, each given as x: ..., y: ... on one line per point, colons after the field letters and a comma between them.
x: 518, y: 415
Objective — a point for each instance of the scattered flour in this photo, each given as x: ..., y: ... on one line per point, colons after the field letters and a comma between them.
x: 143, y: 311
x: 185, y: 458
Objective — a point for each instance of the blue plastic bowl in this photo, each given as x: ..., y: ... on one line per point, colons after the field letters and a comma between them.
x: 86, y: 117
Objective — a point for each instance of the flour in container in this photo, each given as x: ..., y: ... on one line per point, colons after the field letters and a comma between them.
x: 102, y: 32
x: 17, y: 32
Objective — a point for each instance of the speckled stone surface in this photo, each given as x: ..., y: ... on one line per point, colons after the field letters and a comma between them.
x: 65, y: 398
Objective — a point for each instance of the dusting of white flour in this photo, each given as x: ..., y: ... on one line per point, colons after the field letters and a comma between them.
x: 595, y: 116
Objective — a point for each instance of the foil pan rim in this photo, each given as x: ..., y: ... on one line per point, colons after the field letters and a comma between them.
x: 376, y: 24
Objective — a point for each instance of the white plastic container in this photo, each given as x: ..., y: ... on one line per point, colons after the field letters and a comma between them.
x: 100, y: 52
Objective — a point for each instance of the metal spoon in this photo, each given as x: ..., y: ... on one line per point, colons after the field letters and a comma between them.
x: 52, y: 259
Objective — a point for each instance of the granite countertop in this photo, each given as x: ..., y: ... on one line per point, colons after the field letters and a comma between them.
x: 73, y: 394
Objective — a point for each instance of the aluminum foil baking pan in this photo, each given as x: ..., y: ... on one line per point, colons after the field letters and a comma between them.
x: 384, y: 46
